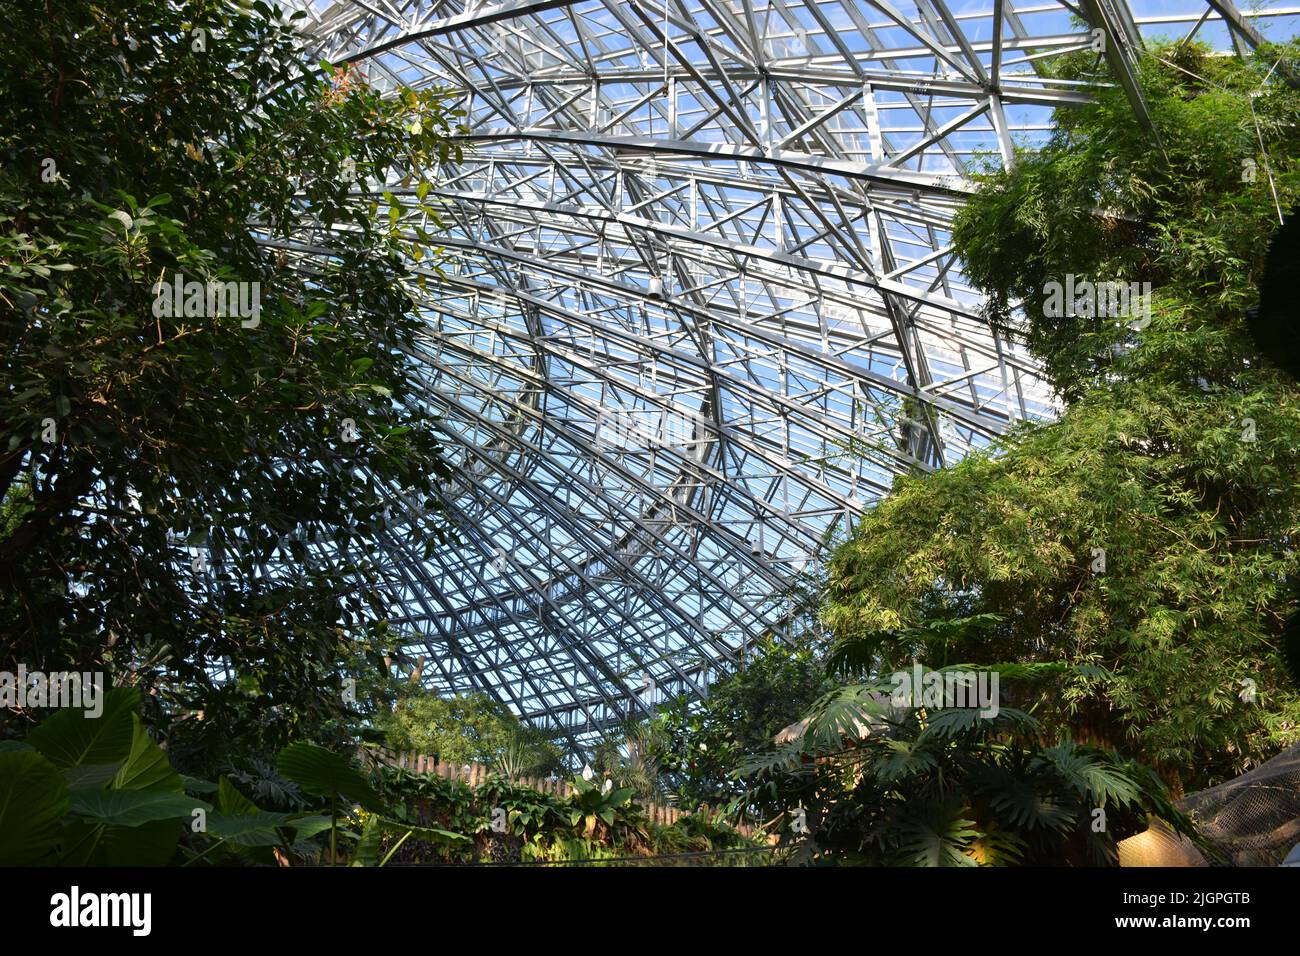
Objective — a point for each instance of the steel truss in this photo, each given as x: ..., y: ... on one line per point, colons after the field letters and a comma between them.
x: 702, y: 306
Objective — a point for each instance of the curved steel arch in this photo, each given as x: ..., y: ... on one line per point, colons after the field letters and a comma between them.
x: 702, y: 304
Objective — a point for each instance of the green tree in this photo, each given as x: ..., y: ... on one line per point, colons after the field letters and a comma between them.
x: 702, y: 742
x: 190, y: 500
x: 468, y: 728
x: 1099, y: 202
x: 1144, y: 539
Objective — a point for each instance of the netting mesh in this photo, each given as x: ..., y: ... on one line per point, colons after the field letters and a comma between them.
x: 1253, y: 820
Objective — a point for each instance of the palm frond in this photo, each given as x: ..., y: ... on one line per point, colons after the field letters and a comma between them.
x: 937, y: 834
x: 1095, y: 778
x: 902, y: 759
x: 856, y: 655
x: 950, y: 722
x: 849, y: 713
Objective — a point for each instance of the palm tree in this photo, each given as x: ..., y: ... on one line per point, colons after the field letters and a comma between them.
x: 867, y: 780
x: 629, y: 758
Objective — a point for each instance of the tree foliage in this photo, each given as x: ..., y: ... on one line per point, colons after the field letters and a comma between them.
x: 1101, y: 203
x: 468, y: 728
x: 701, y: 743
x: 182, y: 502
x: 1145, y: 537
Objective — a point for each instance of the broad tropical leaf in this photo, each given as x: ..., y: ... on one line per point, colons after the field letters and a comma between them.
x: 147, y: 767
x: 901, y: 759
x: 196, y: 785
x: 248, y: 829
x: 69, y: 738
x: 231, y: 801
x: 937, y: 836
x: 95, y: 844
x: 1097, y: 779
x: 1025, y: 803
x: 956, y: 721
x: 848, y: 713
x: 33, y: 799
x: 308, y: 825
x: 130, y: 808
x: 323, y: 773
x: 91, y: 776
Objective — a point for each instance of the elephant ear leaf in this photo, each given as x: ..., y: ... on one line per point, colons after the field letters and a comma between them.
x: 91, y: 776
x: 247, y: 830
x: 131, y: 808
x: 256, y: 829
x: 89, y: 842
x: 71, y: 738
x: 308, y: 825
x: 323, y: 773
x: 367, y: 849
x: 147, y: 767
x: 33, y: 800
x: 197, y: 785
x: 230, y: 801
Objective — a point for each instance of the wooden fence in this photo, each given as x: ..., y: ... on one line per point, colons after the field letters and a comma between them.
x: 475, y: 774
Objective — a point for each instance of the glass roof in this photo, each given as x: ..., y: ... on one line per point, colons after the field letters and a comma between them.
x: 701, y: 306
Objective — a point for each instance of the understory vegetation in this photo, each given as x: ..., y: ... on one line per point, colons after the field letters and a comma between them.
x: 99, y: 791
